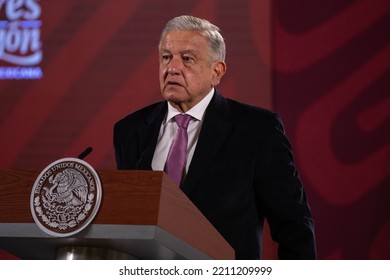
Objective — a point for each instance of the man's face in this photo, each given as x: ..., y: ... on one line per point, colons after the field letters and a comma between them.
x: 187, y: 72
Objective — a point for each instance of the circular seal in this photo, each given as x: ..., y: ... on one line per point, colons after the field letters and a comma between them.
x: 65, y: 197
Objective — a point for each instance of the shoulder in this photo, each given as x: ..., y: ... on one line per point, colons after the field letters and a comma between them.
x: 239, y: 108
x: 246, y: 113
x: 140, y: 117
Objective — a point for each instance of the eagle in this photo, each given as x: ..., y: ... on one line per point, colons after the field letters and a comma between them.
x: 69, y: 187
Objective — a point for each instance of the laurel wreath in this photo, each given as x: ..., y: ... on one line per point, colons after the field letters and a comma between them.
x: 64, y: 225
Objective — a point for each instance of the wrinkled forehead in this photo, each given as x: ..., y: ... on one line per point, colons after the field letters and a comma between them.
x: 183, y: 41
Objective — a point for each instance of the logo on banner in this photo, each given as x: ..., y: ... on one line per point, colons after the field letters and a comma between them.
x: 65, y: 197
x: 20, y: 39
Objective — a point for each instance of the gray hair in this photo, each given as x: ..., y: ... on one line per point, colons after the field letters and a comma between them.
x: 210, y: 31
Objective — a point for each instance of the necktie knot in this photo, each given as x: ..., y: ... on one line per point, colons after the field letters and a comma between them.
x: 183, y: 120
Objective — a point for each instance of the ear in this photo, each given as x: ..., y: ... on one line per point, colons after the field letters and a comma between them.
x: 219, y: 69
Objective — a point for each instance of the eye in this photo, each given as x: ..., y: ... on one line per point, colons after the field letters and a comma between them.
x: 187, y: 58
x: 166, y: 58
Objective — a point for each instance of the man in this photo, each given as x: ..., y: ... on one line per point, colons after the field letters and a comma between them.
x: 239, y: 167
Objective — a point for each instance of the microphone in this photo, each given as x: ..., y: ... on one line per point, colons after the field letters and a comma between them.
x: 86, y: 152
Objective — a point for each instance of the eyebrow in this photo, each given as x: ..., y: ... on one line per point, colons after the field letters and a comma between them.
x: 191, y: 51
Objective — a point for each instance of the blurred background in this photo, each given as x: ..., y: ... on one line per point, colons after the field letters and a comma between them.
x: 70, y: 69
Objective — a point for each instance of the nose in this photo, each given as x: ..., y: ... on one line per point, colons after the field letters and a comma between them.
x: 172, y: 71
x: 174, y: 66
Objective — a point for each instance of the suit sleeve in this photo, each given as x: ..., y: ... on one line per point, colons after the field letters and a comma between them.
x: 281, y: 196
x: 117, y: 146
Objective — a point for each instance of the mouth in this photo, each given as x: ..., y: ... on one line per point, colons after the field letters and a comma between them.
x: 171, y: 83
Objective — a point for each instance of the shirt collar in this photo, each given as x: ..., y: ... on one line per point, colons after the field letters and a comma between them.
x: 197, y: 112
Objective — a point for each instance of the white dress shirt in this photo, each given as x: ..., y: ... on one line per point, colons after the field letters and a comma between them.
x: 169, y: 129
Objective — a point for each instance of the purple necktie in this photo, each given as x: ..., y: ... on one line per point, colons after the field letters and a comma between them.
x: 177, y: 155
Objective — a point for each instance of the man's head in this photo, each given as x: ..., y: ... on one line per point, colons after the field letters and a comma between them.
x: 192, y: 54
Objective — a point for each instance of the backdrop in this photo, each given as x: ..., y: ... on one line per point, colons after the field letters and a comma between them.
x: 332, y: 82
x: 70, y: 69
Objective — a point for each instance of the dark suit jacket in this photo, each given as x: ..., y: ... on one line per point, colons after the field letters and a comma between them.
x: 242, y: 172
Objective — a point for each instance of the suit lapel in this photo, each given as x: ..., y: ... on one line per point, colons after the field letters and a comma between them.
x: 147, y: 136
x: 216, y: 127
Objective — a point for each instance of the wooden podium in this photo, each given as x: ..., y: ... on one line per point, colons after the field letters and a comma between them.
x: 142, y: 214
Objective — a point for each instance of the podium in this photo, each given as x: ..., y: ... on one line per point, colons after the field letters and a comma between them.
x: 143, y: 215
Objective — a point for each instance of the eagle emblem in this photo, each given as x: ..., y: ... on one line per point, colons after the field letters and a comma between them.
x: 69, y: 187
x: 65, y: 197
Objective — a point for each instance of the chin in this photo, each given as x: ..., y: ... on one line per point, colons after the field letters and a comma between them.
x: 174, y: 96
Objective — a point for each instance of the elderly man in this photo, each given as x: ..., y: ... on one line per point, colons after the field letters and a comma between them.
x: 232, y: 160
